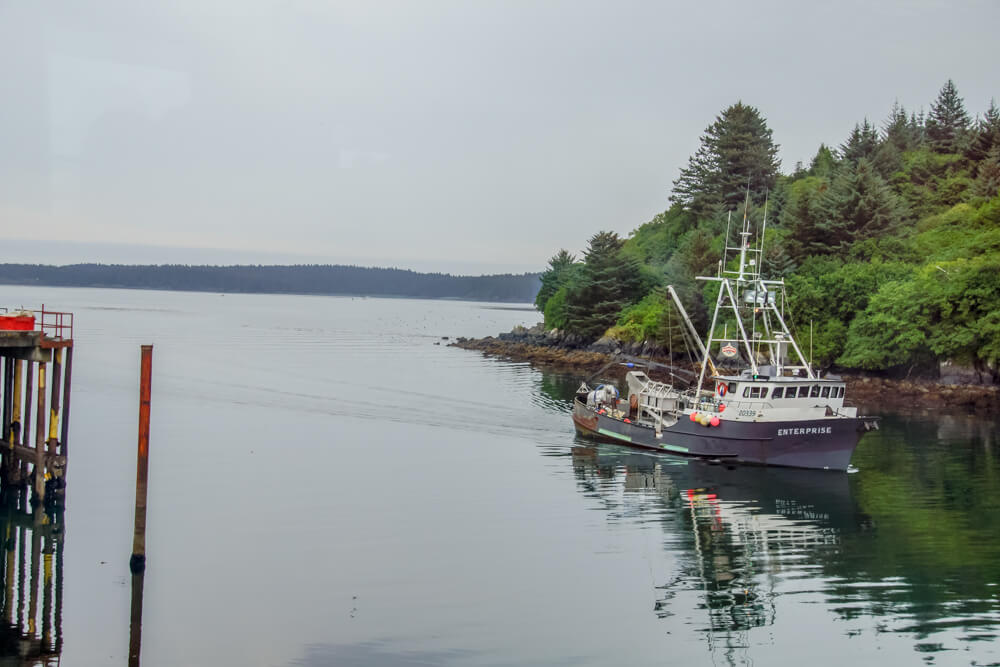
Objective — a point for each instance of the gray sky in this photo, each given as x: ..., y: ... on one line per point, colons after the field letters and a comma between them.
x: 460, y: 136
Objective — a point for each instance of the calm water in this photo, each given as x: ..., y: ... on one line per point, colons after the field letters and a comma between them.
x: 329, y: 486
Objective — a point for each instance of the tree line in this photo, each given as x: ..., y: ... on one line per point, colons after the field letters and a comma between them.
x: 889, y: 242
x: 294, y: 279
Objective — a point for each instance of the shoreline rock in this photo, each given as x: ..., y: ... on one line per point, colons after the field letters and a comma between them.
x: 557, y: 351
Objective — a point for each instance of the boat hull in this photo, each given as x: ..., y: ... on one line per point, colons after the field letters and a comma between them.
x: 825, y: 444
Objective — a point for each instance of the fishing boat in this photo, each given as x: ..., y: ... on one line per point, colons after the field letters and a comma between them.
x: 766, y: 406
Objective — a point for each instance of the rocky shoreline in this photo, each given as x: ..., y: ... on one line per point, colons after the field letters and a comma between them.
x: 555, y: 351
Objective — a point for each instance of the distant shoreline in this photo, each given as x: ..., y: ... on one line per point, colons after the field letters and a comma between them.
x: 304, y: 280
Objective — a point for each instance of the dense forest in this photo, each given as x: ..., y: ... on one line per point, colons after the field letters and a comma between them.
x: 889, y: 244
x: 298, y: 279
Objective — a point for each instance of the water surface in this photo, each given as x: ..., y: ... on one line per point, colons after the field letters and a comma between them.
x: 332, y: 484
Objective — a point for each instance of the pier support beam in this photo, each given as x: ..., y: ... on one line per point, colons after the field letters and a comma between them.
x: 40, y: 437
x: 67, y: 386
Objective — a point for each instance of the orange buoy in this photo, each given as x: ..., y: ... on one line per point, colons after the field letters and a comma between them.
x: 694, y: 416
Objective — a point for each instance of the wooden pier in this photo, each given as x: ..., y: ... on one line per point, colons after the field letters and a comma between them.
x: 37, y: 370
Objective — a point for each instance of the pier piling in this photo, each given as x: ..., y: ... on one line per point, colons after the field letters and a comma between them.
x: 138, y: 561
x: 40, y: 437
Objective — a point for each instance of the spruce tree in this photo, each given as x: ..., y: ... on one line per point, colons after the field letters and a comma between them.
x: 559, y: 271
x: 948, y: 122
x: 988, y: 179
x: 897, y: 130
x: 857, y: 206
x: 824, y: 163
x: 862, y: 142
x: 918, y: 129
x: 736, y: 151
x: 987, y: 134
x: 803, y: 216
x: 609, y: 280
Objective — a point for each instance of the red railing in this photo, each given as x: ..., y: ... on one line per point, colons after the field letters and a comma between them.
x: 54, y: 324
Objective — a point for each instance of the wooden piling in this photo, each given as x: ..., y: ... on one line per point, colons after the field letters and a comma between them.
x: 138, y: 561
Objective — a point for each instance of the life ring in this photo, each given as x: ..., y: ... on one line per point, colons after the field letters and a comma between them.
x: 722, y: 389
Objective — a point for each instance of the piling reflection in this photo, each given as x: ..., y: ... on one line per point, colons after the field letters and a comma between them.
x: 31, y: 629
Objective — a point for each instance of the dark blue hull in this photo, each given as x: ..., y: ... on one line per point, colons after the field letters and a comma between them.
x: 825, y: 444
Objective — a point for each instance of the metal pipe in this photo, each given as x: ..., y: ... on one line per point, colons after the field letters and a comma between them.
x: 739, y: 323
x: 138, y: 561
x: 56, y: 382
x: 26, y: 426
x: 711, y: 332
x: 40, y: 439
x: 16, y: 415
x: 67, y: 385
x: 8, y: 382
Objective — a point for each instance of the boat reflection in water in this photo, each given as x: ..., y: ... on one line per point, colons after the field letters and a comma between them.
x: 31, y: 630
x: 732, y: 530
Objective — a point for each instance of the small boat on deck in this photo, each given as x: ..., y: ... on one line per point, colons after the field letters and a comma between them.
x: 774, y: 410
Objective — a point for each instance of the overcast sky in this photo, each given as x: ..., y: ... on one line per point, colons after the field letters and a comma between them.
x: 467, y: 137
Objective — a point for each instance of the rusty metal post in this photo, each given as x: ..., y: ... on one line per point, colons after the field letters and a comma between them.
x: 56, y: 382
x: 8, y: 391
x: 15, y: 418
x: 40, y: 437
x: 138, y: 561
x: 8, y: 410
x: 29, y: 380
x: 67, y: 380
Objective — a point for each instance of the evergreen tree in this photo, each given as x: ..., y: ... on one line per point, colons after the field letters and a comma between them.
x: 897, y: 130
x: 803, y: 217
x: 736, y: 151
x: 948, y: 123
x: 987, y: 134
x: 918, y: 128
x: 824, y: 163
x: 862, y: 142
x: 858, y: 205
x: 988, y: 181
x: 559, y: 271
x: 609, y: 280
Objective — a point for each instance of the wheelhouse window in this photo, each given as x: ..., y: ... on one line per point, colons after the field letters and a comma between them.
x: 814, y: 393
x: 779, y: 392
x: 755, y: 392
x: 803, y: 391
x: 826, y: 392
